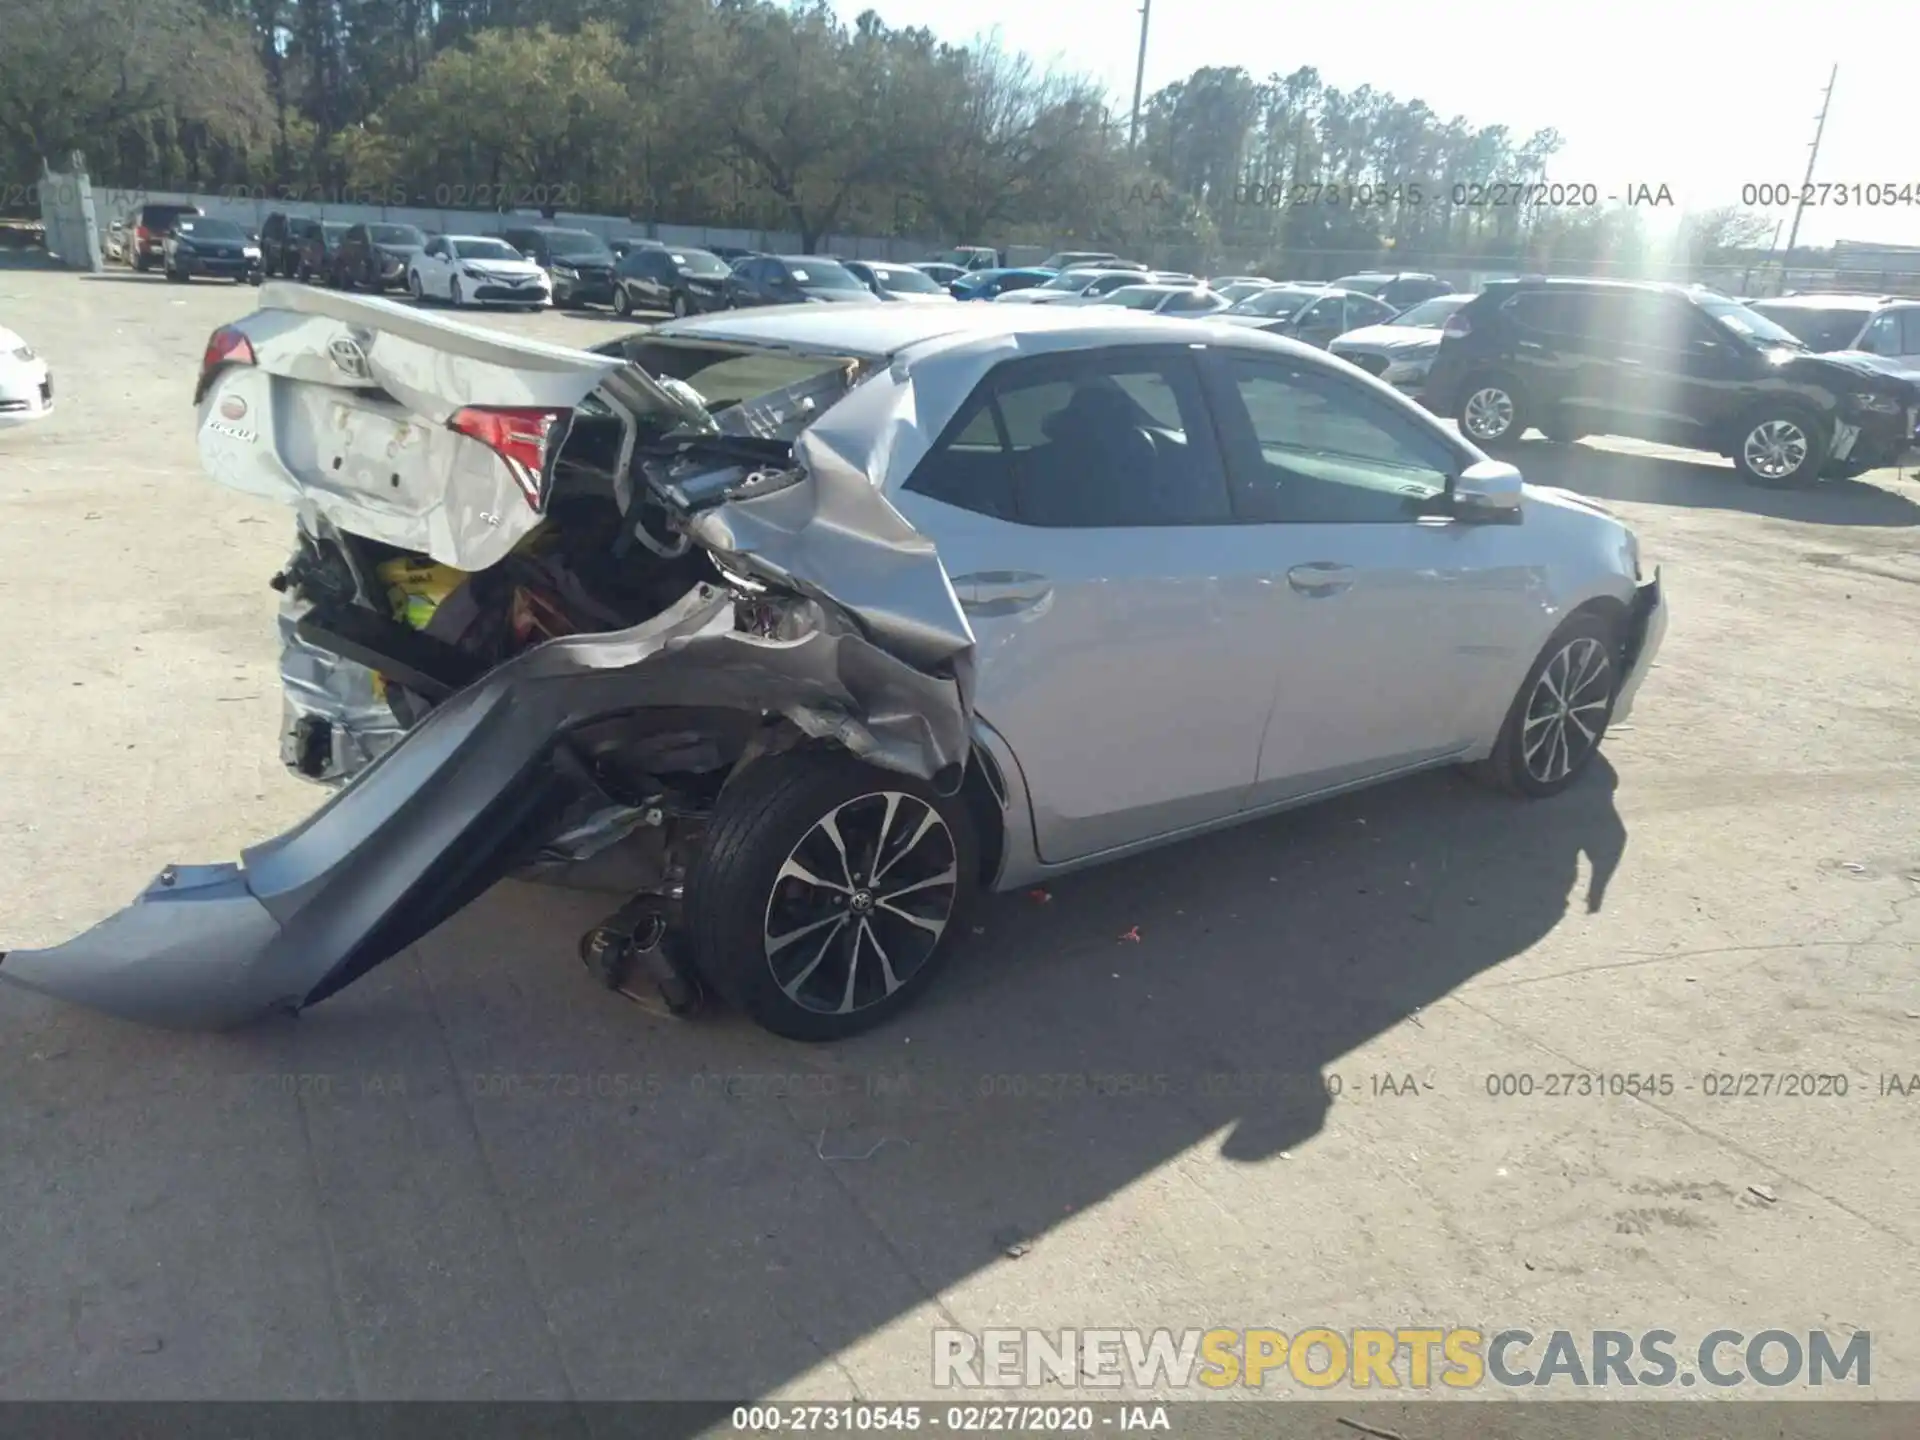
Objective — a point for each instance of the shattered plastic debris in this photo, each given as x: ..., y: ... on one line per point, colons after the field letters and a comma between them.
x: 1131, y: 933
x: 1039, y: 897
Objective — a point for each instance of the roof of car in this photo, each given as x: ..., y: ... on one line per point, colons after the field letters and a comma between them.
x: 881, y: 330
x: 1828, y: 300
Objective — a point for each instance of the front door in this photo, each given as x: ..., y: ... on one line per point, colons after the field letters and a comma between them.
x: 1674, y: 373
x: 1079, y: 504
x: 1389, y: 626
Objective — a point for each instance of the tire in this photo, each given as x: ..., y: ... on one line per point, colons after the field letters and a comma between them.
x: 1492, y: 410
x: 453, y: 292
x: 1527, y: 759
x: 622, y: 306
x: 1773, y: 436
x: 415, y: 288
x: 680, y: 307
x: 775, y: 816
x: 176, y: 277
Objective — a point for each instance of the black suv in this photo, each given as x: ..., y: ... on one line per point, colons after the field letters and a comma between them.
x: 375, y: 256
x: 578, y: 263
x: 152, y: 224
x: 278, y: 252
x: 1399, y: 291
x: 314, y: 244
x: 1674, y: 364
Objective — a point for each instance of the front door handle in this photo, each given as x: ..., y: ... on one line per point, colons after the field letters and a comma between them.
x: 1627, y: 360
x: 1321, y: 577
x: 1001, y: 592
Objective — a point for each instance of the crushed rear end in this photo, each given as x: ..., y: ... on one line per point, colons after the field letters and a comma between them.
x: 543, y: 603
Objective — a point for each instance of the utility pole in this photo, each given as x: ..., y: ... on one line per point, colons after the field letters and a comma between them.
x: 1139, y: 76
x: 1813, y: 155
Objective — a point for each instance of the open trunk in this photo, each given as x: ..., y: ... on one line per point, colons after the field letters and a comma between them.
x: 543, y: 599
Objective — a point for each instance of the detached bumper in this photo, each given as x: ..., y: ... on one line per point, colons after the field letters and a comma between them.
x: 1647, y: 627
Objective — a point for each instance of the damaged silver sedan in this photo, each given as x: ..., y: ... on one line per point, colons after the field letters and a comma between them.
x: 824, y: 618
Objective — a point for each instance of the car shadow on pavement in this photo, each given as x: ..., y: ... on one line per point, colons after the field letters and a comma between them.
x: 1704, y: 484
x: 476, y: 1173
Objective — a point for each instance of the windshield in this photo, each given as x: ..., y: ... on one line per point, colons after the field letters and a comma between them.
x: 395, y: 235
x: 1747, y: 322
x: 1365, y: 284
x: 906, y: 282
x: 1273, y: 302
x: 698, y: 262
x: 823, y: 275
x: 332, y: 231
x: 577, y: 245
x: 486, y: 250
x: 1070, y: 280
x: 1821, y: 330
x: 1136, y: 297
x: 201, y: 229
x: 1430, y: 314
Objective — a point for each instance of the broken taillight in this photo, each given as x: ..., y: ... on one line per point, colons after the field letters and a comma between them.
x: 226, y: 346
x: 528, y: 440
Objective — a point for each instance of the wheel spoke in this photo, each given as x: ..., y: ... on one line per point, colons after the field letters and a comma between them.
x: 945, y: 877
x: 886, y: 965
x: 792, y: 987
x: 831, y: 827
x: 932, y: 927
x: 927, y: 822
x: 794, y: 870
x: 853, y: 968
x: 780, y: 942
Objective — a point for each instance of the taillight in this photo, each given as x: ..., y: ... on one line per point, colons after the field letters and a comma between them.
x: 1456, y: 326
x: 226, y: 346
x: 528, y: 440
x: 140, y: 233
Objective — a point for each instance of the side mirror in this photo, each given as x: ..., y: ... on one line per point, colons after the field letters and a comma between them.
x: 1488, y: 486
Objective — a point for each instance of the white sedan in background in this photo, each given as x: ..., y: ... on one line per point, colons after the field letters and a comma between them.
x: 477, y: 270
x: 26, y: 384
x: 1194, y: 299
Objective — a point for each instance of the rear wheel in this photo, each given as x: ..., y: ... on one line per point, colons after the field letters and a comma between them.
x: 622, y: 305
x: 680, y: 307
x: 1555, y: 725
x: 453, y: 292
x: 823, y: 901
x: 1779, y: 447
x: 415, y: 288
x: 1491, y: 411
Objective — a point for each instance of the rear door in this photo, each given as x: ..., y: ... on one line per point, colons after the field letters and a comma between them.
x: 1555, y: 356
x: 1672, y: 370
x: 1321, y: 321
x: 1120, y: 614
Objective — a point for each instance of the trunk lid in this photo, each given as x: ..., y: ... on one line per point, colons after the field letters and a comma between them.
x: 351, y: 403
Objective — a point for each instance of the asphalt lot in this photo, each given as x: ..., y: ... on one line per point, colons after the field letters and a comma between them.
x: 474, y: 1175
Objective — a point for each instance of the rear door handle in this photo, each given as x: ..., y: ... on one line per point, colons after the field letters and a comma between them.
x: 1627, y: 360
x: 1001, y: 592
x: 1320, y: 577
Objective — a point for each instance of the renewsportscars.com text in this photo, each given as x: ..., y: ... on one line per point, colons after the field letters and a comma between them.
x: 1416, y: 1358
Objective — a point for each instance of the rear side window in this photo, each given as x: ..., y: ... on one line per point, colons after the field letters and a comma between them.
x: 1552, y: 312
x: 1910, y: 330
x: 1882, y: 337
x: 1104, y: 440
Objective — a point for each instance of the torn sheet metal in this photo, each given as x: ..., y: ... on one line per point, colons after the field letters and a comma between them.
x: 438, y: 817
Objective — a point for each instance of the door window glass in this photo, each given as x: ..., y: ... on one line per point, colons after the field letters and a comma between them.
x: 1318, y: 450
x: 1098, y: 442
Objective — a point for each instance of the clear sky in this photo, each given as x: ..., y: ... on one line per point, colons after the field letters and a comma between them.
x: 1701, y: 97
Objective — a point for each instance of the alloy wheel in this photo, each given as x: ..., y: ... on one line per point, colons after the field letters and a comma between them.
x: 1775, y: 449
x: 680, y: 306
x: 1488, y: 414
x: 1567, y: 711
x: 621, y: 304
x: 861, y: 903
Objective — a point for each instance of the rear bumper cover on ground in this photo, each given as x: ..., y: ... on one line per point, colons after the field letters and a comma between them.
x: 459, y: 802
